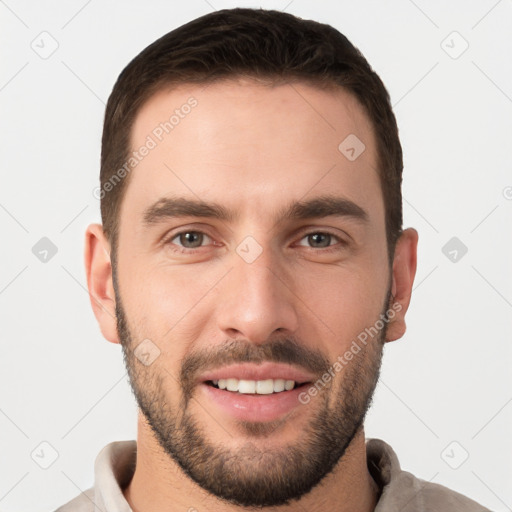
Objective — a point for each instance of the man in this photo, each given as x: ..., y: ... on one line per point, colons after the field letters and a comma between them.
x: 252, y: 264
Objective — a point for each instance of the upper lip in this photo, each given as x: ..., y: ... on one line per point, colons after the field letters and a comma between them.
x: 264, y: 371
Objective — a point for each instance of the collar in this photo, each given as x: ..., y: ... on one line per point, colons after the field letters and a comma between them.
x: 399, y: 490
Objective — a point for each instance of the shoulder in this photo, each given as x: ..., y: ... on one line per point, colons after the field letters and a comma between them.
x: 113, y: 469
x: 84, y: 502
x: 403, y: 491
x: 413, y: 494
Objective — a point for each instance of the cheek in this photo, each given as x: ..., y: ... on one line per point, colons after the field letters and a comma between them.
x: 163, y: 302
x: 345, y: 300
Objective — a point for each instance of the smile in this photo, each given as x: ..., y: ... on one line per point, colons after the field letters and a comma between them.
x: 259, y: 387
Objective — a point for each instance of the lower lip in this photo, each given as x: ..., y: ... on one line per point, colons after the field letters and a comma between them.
x: 255, y: 407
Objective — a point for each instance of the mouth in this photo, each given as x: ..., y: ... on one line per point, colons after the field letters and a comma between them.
x: 252, y: 401
x: 255, y: 393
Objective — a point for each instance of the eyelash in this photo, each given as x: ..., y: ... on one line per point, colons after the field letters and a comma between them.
x: 185, y: 250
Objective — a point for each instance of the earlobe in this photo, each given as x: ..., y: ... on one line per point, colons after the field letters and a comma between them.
x: 99, y: 281
x: 404, y: 271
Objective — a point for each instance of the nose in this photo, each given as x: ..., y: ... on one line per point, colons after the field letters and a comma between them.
x: 257, y: 299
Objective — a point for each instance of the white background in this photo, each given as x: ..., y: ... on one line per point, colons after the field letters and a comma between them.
x: 447, y: 380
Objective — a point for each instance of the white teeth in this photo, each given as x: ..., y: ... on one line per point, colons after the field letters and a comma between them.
x: 231, y: 384
x: 246, y: 386
x: 260, y: 387
x: 289, y: 385
x: 279, y: 385
x: 264, y: 387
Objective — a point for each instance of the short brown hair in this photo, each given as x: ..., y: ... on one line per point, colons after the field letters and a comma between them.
x: 262, y: 44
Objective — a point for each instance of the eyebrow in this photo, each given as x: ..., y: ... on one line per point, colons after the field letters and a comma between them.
x: 323, y: 206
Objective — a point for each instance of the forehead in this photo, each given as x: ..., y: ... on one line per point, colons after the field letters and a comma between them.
x: 251, y: 145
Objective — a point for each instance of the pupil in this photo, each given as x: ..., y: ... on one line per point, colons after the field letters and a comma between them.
x: 191, y: 239
x: 320, y: 239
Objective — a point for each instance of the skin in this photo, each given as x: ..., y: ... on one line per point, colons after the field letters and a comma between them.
x: 253, y: 149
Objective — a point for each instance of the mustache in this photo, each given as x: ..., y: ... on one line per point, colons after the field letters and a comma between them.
x: 283, y: 350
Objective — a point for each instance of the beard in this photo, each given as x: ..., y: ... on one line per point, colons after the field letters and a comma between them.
x: 248, y: 475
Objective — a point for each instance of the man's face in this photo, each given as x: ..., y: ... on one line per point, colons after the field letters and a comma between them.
x: 274, y: 284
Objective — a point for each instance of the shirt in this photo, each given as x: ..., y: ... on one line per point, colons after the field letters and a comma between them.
x: 400, y: 491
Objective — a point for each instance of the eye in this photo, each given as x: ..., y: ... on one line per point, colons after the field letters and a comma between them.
x: 189, y: 239
x: 320, y: 240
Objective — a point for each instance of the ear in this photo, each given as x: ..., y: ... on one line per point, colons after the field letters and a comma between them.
x: 99, y: 281
x: 404, y: 270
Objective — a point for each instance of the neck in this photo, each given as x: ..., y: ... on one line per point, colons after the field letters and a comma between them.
x: 159, y: 483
